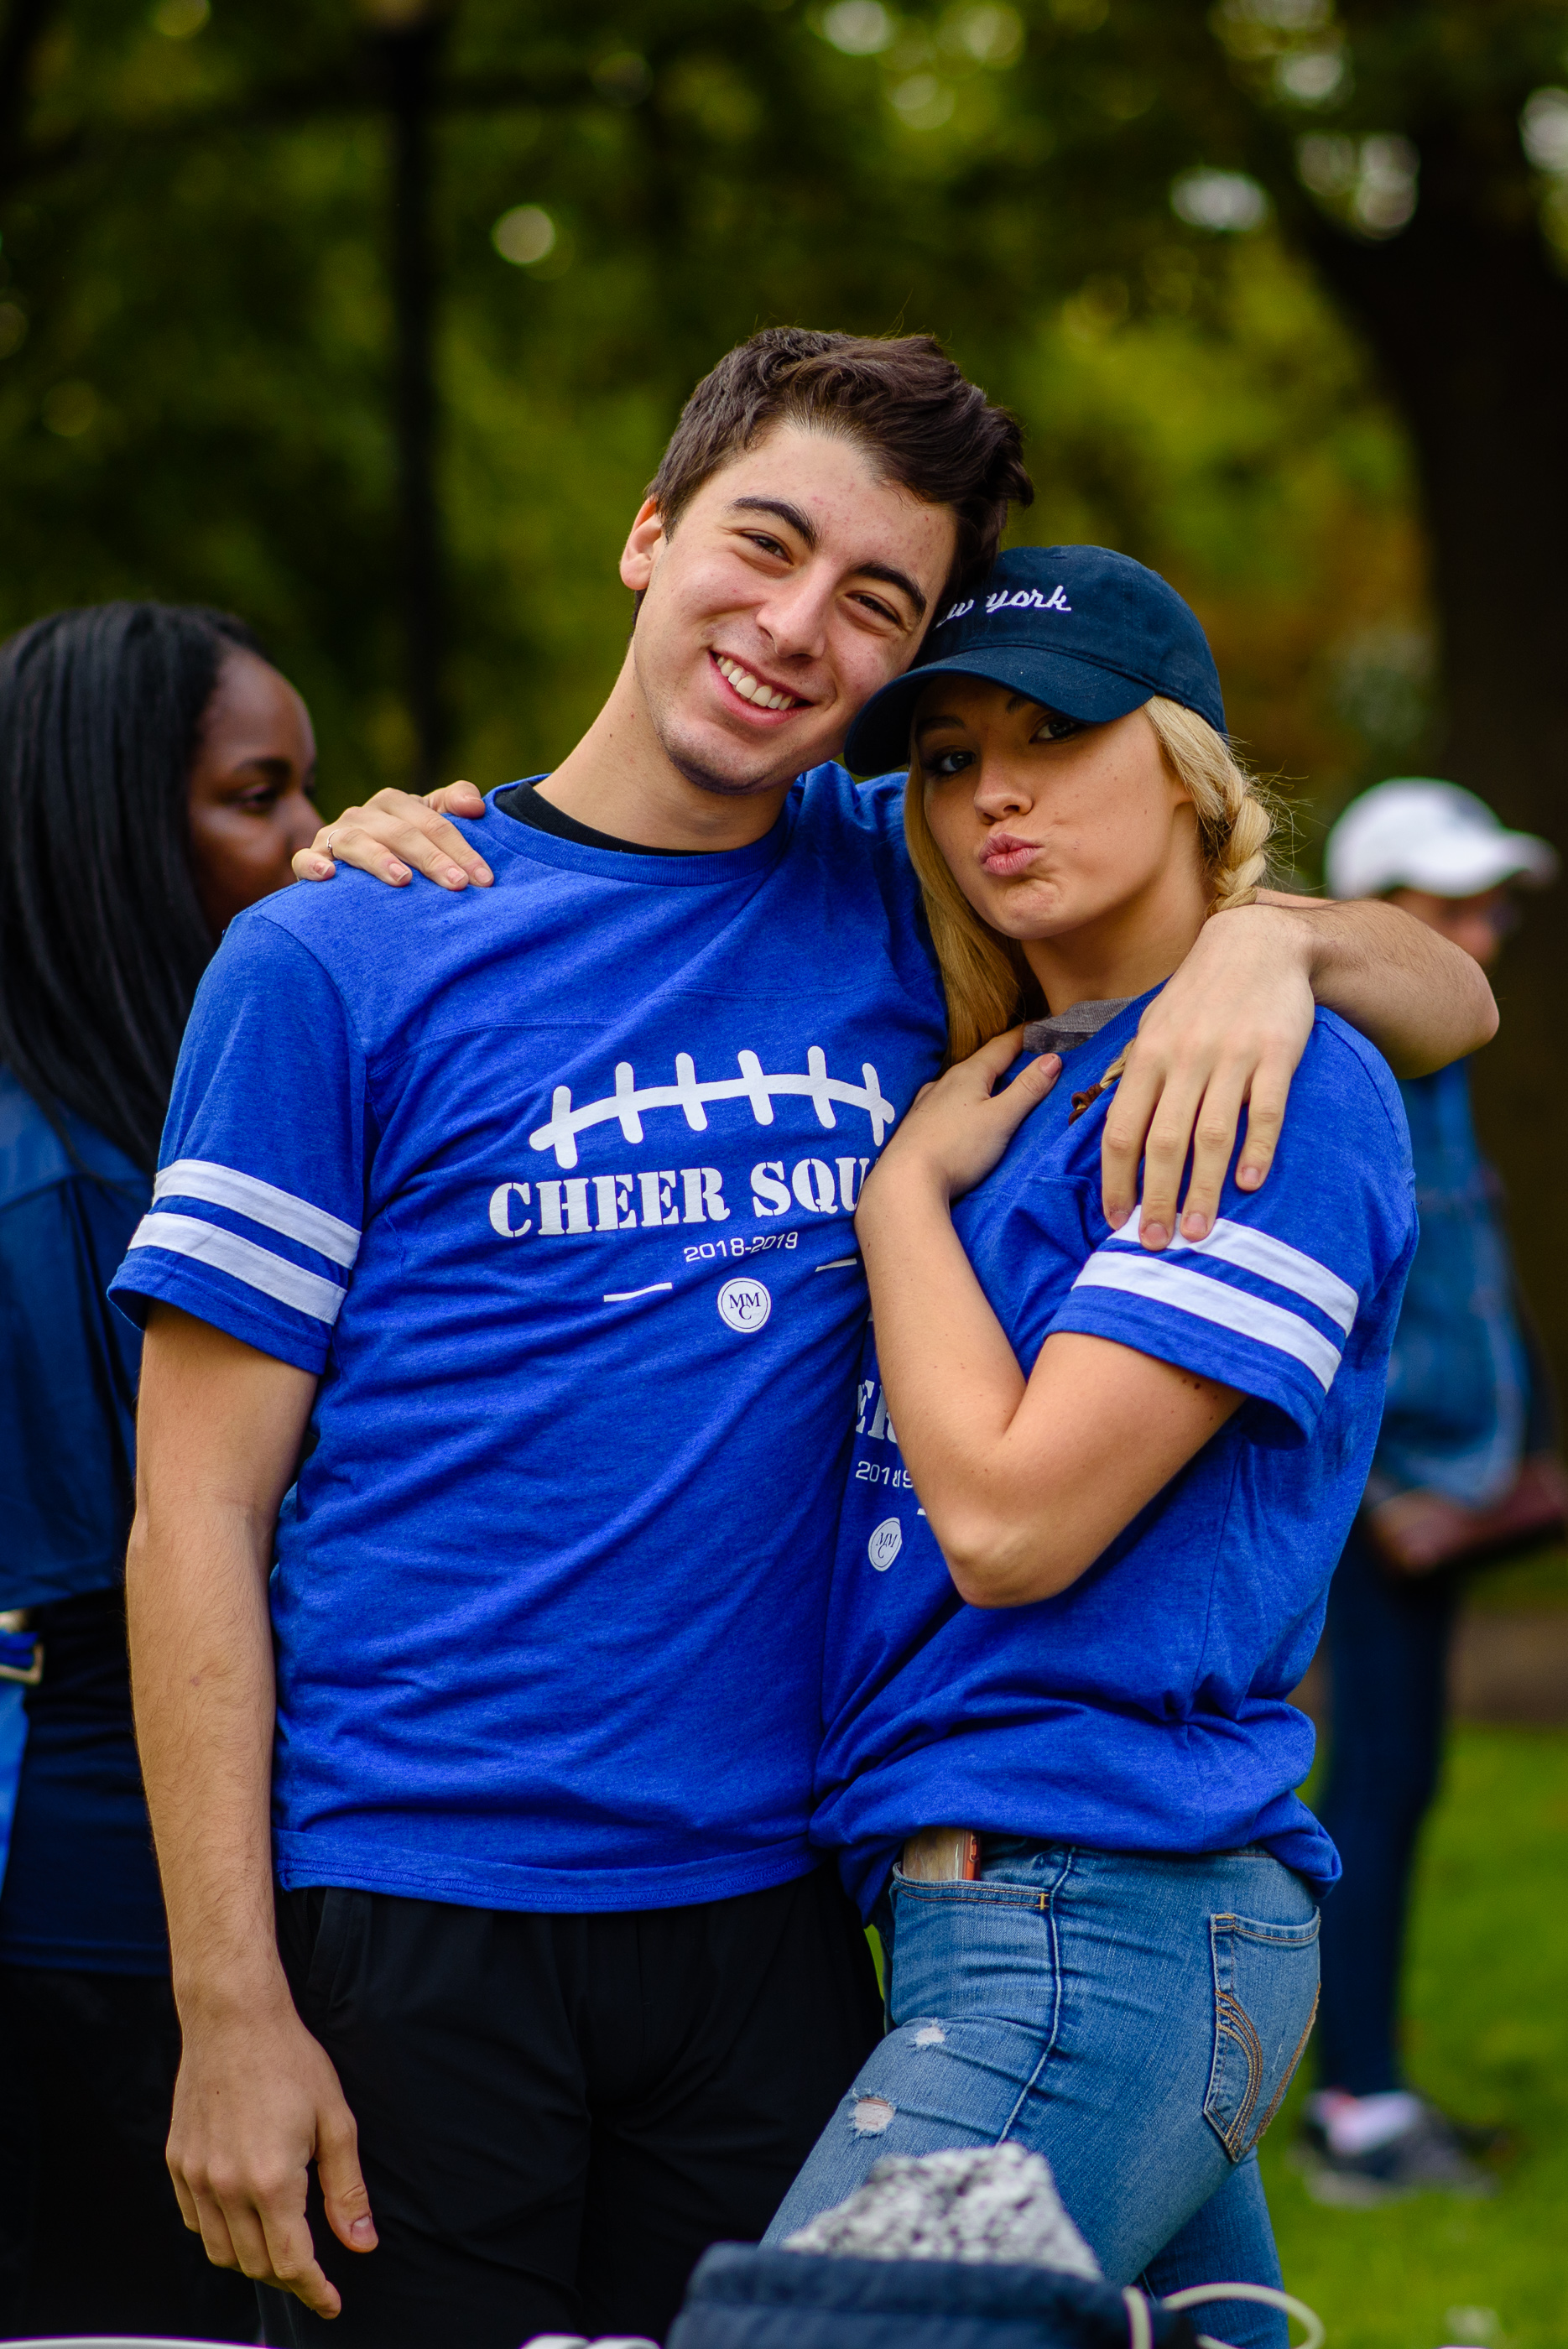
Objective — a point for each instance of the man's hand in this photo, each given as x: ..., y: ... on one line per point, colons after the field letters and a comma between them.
x: 256, y: 2101
x: 1228, y: 1030
x: 395, y: 835
x: 1225, y: 1033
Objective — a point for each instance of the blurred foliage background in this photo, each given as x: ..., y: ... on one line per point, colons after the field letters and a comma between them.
x: 369, y: 318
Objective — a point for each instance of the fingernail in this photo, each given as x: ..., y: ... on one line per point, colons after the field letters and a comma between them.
x: 1194, y: 1227
x: 454, y: 878
x: 324, y: 864
x: 363, y: 2230
x: 1248, y: 1177
x: 1153, y: 1235
x: 399, y: 872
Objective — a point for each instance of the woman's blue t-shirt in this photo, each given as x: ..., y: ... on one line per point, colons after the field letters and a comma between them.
x: 1146, y: 1708
x: 79, y: 1886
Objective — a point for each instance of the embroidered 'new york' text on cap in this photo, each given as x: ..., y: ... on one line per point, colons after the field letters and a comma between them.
x: 1081, y: 629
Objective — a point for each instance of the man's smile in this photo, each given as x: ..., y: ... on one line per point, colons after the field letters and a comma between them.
x: 755, y: 691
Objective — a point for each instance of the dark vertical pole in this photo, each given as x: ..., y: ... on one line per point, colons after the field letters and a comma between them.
x: 410, y: 51
x: 21, y: 36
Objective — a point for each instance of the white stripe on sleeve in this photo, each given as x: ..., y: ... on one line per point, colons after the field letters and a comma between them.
x: 275, y: 1276
x: 264, y: 1203
x: 1216, y: 1301
x: 1270, y: 1259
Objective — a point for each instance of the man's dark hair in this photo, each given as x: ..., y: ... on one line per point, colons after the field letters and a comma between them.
x: 103, y: 936
x: 928, y: 429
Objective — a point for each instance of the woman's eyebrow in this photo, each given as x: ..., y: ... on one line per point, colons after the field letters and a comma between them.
x: 267, y: 763
x: 1014, y: 702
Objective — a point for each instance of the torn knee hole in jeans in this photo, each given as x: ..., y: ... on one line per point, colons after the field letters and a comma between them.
x: 931, y: 2034
x: 871, y: 2116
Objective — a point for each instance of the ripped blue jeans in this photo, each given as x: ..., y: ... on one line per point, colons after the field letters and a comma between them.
x: 1134, y: 2018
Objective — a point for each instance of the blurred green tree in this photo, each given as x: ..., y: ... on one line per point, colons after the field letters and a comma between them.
x: 371, y: 318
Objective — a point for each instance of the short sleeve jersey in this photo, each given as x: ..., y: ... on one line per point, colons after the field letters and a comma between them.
x: 1144, y: 1708
x: 68, y: 1367
x: 79, y: 1886
x: 552, y: 1185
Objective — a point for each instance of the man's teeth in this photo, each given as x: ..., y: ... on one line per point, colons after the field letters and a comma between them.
x: 750, y: 688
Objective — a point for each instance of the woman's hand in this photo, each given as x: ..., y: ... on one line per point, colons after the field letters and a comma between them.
x: 958, y: 1127
x: 394, y: 835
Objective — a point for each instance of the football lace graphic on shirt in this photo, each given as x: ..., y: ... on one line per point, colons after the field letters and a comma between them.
x: 629, y: 1100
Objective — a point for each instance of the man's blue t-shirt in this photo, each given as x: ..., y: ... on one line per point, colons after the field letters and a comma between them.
x: 552, y: 1184
x: 1143, y: 1708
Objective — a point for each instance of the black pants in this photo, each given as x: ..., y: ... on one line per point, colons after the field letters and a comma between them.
x: 558, y: 2114
x: 91, y: 2240
x: 1389, y: 1641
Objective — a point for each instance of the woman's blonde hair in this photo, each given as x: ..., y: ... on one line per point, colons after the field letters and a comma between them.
x: 989, y: 985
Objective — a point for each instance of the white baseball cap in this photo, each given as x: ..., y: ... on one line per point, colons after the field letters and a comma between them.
x: 1415, y: 833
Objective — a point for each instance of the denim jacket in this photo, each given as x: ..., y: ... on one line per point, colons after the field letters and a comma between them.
x: 1459, y: 1408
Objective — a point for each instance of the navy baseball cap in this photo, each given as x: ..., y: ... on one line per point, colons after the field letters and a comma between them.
x: 1087, y: 632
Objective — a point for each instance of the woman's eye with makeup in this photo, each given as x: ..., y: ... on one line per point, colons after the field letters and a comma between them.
x: 944, y: 763
x: 1054, y: 727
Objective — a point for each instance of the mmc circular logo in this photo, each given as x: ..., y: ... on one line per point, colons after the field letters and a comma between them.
x: 744, y: 1305
x: 885, y: 1544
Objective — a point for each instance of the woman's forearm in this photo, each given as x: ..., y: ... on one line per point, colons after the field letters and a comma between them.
x: 1025, y: 1482
x: 952, y: 1382
x: 1422, y: 1000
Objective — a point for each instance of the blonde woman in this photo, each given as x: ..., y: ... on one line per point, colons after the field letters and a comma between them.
x: 1074, y: 1588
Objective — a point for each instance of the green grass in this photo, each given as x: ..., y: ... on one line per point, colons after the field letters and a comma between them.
x: 1530, y: 1583
x: 1487, y: 2036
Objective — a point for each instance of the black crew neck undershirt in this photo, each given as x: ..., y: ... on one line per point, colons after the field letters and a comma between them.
x: 523, y: 800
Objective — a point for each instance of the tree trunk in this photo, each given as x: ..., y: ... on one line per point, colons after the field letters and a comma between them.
x: 26, y: 21
x: 409, y: 55
x: 1469, y: 317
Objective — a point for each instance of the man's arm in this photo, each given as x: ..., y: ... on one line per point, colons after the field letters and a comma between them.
x: 1223, y: 1036
x: 219, y: 1431
x: 1228, y: 1030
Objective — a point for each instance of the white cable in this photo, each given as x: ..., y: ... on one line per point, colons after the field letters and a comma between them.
x: 1140, y: 2325
x: 1196, y: 2294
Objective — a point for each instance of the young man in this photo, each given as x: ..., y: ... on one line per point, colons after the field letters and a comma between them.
x: 500, y: 1287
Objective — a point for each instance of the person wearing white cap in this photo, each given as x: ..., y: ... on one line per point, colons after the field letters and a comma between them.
x: 1464, y: 1470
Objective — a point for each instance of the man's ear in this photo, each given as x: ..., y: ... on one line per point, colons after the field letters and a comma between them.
x: 639, y: 556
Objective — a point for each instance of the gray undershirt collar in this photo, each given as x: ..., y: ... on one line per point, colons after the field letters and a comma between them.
x: 1065, y: 1031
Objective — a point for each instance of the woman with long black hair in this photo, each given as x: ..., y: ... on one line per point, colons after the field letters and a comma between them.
x: 155, y: 773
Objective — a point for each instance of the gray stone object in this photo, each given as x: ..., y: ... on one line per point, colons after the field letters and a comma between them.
x: 993, y: 2203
